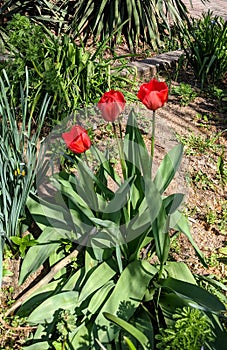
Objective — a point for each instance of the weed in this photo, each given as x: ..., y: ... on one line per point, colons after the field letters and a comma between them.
x: 202, y: 180
x: 217, y: 217
x: 197, y: 144
x: 185, y: 93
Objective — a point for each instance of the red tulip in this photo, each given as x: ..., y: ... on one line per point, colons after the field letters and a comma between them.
x: 153, y: 94
x: 77, y: 139
x: 111, y: 104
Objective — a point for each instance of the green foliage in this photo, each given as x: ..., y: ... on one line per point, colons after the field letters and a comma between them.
x: 143, y: 21
x: 205, y: 43
x: 184, y: 92
x: 18, y: 157
x: 197, y: 144
x: 53, y: 13
x: 191, y: 331
x: 72, y: 75
x: 24, y: 243
x: 111, y: 297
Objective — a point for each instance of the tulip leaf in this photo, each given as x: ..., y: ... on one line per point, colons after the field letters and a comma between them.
x: 46, y: 311
x: 179, y: 222
x: 137, y: 157
x: 48, y: 214
x: 168, y: 168
x: 99, y: 297
x: 44, y: 345
x: 194, y: 294
x: 180, y: 271
x: 172, y: 202
x: 100, y: 276
x: 125, y: 298
x: 120, y: 199
x: 48, y: 242
x: 161, y: 236
x: 135, y: 332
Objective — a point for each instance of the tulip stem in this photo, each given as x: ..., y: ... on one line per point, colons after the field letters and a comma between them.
x: 120, y: 149
x: 152, y: 139
x: 86, y: 160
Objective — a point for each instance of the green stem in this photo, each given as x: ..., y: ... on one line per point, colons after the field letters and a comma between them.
x: 152, y: 139
x: 120, y: 149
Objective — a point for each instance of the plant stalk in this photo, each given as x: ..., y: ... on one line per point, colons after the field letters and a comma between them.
x: 152, y: 140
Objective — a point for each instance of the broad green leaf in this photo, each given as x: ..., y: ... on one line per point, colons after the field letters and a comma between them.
x: 100, y: 297
x: 135, y: 332
x: 37, y: 298
x: 194, y: 295
x: 137, y: 157
x: 179, y: 222
x: 168, y: 168
x: 180, y: 271
x: 172, y: 202
x: 142, y: 321
x: 75, y: 281
x: 80, y: 338
x: 46, y: 311
x: 126, y: 296
x: 153, y: 198
x: 160, y: 231
x: 121, y: 197
x: 48, y: 214
x: 90, y: 260
x: 107, y: 167
x: 48, y: 242
x: 100, y: 276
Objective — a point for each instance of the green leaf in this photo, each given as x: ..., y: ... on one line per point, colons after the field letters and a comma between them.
x: 44, y: 345
x: 48, y: 242
x: 135, y: 332
x: 125, y: 298
x: 48, y: 214
x: 172, y: 202
x: 100, y: 297
x: 168, y: 168
x: 136, y: 155
x: 194, y: 295
x: 100, y: 276
x: 46, y: 311
x: 37, y: 298
x: 180, y: 271
x: 131, y: 346
x: 179, y: 222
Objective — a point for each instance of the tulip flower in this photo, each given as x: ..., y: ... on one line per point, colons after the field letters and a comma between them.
x: 111, y: 104
x: 153, y: 94
x: 77, y: 139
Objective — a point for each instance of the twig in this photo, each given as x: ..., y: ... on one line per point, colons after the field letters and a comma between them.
x: 55, y: 269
